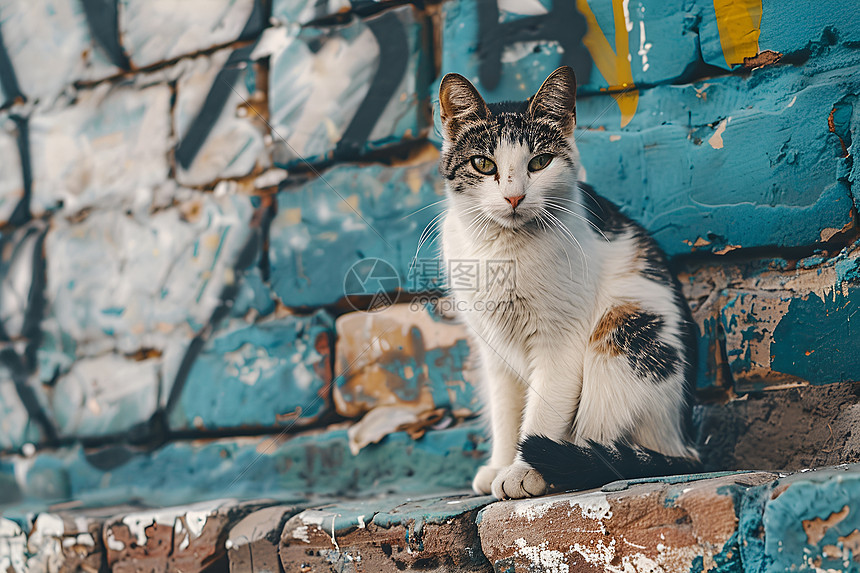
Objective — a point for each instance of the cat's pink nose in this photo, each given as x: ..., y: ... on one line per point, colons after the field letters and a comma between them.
x: 514, y: 201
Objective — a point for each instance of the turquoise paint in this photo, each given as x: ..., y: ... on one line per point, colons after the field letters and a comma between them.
x: 809, y: 496
x: 317, y: 463
x: 310, y: 259
x: 828, y: 353
x: 254, y: 375
x: 706, y: 374
x: 778, y: 168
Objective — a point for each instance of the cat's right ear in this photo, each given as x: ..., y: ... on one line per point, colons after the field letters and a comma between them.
x: 459, y: 103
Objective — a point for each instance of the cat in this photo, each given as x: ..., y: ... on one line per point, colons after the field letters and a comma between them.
x: 588, y: 355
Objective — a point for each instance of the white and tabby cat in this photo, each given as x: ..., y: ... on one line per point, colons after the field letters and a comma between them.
x: 587, y: 360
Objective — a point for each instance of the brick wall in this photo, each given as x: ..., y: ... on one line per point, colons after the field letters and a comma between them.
x: 185, y: 188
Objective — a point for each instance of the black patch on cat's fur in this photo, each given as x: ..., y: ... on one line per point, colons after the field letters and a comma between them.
x: 608, y: 218
x: 566, y: 466
x: 603, y: 214
x: 638, y: 338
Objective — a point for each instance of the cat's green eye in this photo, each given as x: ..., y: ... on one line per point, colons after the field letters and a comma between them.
x: 538, y: 162
x: 483, y: 165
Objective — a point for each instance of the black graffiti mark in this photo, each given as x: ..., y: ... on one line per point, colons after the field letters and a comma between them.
x: 222, y: 88
x: 393, y: 64
x: 8, y: 79
x: 103, y: 21
x: 563, y: 23
x: 246, y: 259
x: 22, y: 366
x: 21, y: 214
x: 257, y: 20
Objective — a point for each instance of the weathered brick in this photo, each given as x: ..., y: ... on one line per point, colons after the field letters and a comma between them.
x: 317, y: 462
x: 118, y: 281
x: 252, y: 545
x: 11, y: 169
x: 384, y: 535
x: 64, y: 542
x: 403, y: 357
x: 787, y: 28
x: 823, y: 418
x: 21, y: 281
x: 16, y: 426
x: 154, y: 32
x: 347, y: 215
x: 109, y: 148
x: 687, y: 523
x: 340, y: 91
x: 218, y: 117
x: 13, y: 547
x: 50, y: 45
x: 105, y: 396
x: 782, y: 171
x: 765, y: 320
x: 810, y: 523
x: 184, y: 538
x: 276, y: 372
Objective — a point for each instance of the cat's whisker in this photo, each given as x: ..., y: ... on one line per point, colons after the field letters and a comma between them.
x: 578, y: 216
x: 560, y: 225
x: 413, y: 213
x: 425, y: 234
x: 541, y: 219
x: 578, y: 204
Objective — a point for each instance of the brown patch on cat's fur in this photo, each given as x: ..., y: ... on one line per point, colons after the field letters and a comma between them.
x: 612, y: 319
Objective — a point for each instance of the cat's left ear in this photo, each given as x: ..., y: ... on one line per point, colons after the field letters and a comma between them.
x: 556, y: 99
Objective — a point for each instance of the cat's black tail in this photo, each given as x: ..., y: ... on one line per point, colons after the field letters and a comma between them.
x: 567, y: 466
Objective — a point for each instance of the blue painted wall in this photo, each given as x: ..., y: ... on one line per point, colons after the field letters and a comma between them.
x: 178, y: 219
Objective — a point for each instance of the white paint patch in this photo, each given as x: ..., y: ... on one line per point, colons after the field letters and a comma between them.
x: 523, y: 7
x: 716, y: 140
x: 593, y: 506
x: 196, y: 521
x: 12, y: 547
x: 519, y: 50
x: 271, y: 177
x: 600, y: 554
x: 112, y: 543
x: 625, y: 5
x: 46, y: 527
x: 273, y: 41
x: 301, y: 533
x: 644, y: 47
x: 541, y: 558
x: 532, y: 509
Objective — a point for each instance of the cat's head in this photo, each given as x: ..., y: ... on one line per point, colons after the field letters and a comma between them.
x: 509, y: 162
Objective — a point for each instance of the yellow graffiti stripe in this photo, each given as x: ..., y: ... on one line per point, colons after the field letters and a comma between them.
x: 614, y: 65
x: 739, y: 23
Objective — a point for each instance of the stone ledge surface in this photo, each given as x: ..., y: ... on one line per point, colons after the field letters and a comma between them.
x: 730, y: 521
x: 646, y: 526
x: 391, y: 534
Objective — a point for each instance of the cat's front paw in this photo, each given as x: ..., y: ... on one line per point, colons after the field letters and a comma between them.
x: 518, y: 480
x: 483, y: 481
